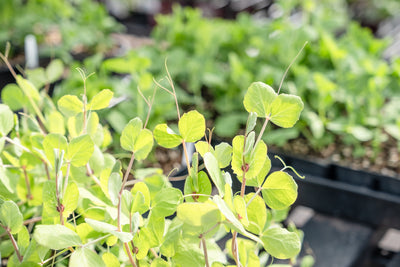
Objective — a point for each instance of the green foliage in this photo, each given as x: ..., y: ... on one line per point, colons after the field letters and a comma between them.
x: 75, y: 188
x: 57, y: 26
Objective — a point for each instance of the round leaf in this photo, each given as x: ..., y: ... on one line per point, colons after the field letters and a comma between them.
x: 85, y: 257
x: 6, y: 120
x: 258, y: 99
x: 192, y: 126
x: 200, y: 216
x: 166, y: 137
x: 279, y: 190
x: 101, y: 100
x: 56, y: 236
x: 80, y: 150
x: 70, y: 105
x: 54, y: 141
x: 256, y: 213
x: 280, y: 243
x: 166, y: 201
x: 285, y: 110
x: 136, y: 139
x: 11, y: 217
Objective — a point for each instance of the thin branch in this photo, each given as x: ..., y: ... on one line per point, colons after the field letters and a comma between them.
x: 203, y: 243
x: 162, y: 87
x: 262, y: 131
x: 128, y: 170
x: 128, y: 251
x: 290, y: 65
x: 14, y: 243
x: 149, y: 104
x: 8, y: 139
x: 5, y: 59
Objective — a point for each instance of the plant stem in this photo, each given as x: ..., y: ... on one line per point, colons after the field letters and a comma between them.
x: 235, y: 251
x: 14, y: 243
x: 46, y: 168
x: 28, y: 185
x: 128, y: 251
x: 8, y: 139
x: 203, y: 244
x: 262, y: 131
x: 128, y: 170
x: 5, y: 59
x: 186, y: 156
x: 66, y: 177
x: 291, y: 63
x: 95, y: 241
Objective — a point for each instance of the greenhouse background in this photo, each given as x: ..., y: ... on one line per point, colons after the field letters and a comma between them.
x: 84, y: 84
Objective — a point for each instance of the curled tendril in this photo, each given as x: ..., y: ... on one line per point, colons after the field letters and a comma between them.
x: 289, y: 167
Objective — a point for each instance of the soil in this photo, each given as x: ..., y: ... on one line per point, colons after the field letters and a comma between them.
x: 167, y: 159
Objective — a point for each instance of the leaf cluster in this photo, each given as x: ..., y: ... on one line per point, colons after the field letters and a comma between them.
x: 76, y: 205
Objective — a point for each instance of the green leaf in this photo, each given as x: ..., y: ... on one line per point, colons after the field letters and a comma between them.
x: 256, y: 213
x: 140, y: 204
x: 212, y: 167
x: 13, y: 96
x: 85, y: 257
x: 166, y: 201
x: 114, y: 186
x: 285, y: 110
x: 110, y: 260
x: 258, y: 99
x: 362, y: 134
x: 231, y: 218
x: 171, y: 238
x: 23, y: 240
x: 54, y: 141
x: 136, y: 139
x: 280, y: 243
x: 166, y: 137
x: 6, y: 180
x: 54, y: 70
x: 49, y: 199
x: 204, y: 185
x: 70, y: 105
x: 192, y: 126
x: 79, y: 151
x: 6, y: 120
x: 158, y: 262
x: 203, y: 147
x: 107, y: 228
x: 11, y: 217
x: 101, y: 100
x: 241, y: 210
x: 70, y: 199
x: 255, y: 160
x: 156, y: 228
x: 250, y: 139
x: 56, y: 236
x: 188, y: 254
x: 55, y: 122
x: 206, y: 216
x: 279, y: 190
x: 223, y: 153
x: 28, y: 88
x: 251, y: 122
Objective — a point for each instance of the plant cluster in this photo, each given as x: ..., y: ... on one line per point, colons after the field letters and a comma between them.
x: 350, y: 91
x: 65, y: 200
x: 60, y: 27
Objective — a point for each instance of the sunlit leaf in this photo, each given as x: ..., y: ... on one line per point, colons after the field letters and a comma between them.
x: 280, y: 243
x: 192, y: 126
x: 279, y: 190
